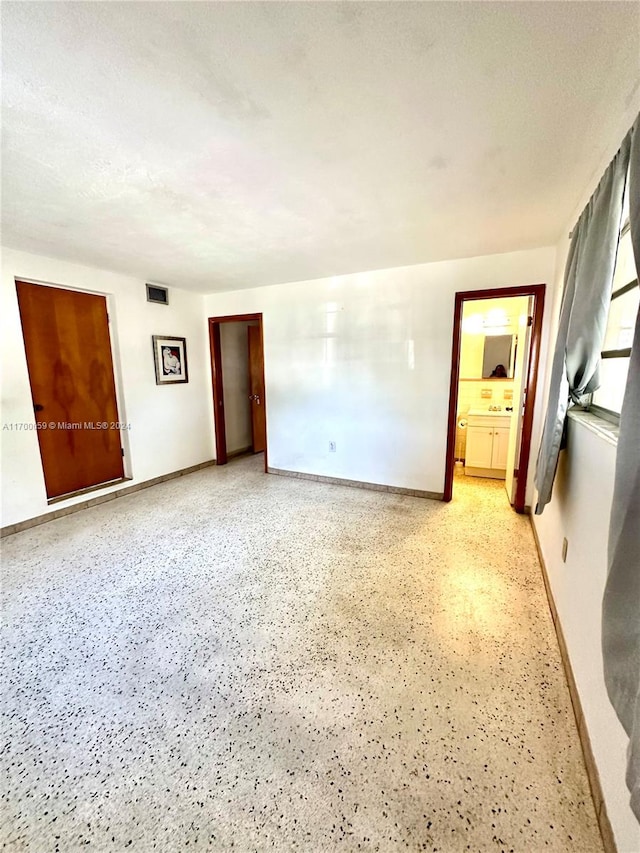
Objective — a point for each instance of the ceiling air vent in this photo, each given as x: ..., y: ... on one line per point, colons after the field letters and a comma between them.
x: 158, y: 294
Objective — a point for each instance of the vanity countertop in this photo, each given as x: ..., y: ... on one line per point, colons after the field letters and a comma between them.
x: 485, y: 412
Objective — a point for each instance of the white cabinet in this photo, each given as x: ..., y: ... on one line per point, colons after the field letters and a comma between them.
x: 487, y: 445
x: 500, y: 447
x: 479, y: 447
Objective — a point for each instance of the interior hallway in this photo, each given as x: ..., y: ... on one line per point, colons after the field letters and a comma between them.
x: 230, y: 660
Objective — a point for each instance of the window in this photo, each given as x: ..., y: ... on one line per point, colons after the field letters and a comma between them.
x: 625, y: 299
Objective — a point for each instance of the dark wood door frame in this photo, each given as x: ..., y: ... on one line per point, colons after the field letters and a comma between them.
x: 216, y: 380
x: 537, y: 291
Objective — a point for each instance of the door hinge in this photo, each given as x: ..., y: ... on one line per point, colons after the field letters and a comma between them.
x: 529, y: 321
x: 122, y: 451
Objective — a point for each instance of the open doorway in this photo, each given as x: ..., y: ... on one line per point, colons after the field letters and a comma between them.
x: 494, y: 368
x: 237, y: 372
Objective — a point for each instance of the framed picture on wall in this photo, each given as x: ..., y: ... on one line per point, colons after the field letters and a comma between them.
x: 170, y: 358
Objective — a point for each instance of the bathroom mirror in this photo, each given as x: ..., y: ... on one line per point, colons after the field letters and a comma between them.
x: 497, y: 361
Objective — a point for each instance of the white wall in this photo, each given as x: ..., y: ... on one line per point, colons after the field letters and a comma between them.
x: 579, y: 510
x: 364, y: 360
x: 234, y: 346
x: 171, y: 426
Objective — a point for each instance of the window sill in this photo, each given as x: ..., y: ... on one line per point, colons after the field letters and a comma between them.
x: 597, y: 425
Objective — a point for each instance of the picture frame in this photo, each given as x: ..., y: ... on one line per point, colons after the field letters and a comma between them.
x: 170, y: 359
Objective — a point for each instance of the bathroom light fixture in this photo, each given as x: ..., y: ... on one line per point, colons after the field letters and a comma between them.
x: 473, y: 325
x: 496, y: 322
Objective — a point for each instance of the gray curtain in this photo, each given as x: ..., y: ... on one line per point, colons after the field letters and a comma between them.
x: 583, y: 315
x: 621, y: 605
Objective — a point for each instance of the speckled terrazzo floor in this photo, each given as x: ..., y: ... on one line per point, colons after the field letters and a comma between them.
x: 235, y: 661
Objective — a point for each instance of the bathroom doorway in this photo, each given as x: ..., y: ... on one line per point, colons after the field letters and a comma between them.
x: 496, y: 344
x: 237, y: 372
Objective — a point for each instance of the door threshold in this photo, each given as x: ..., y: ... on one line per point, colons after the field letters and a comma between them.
x: 244, y: 451
x: 89, y: 489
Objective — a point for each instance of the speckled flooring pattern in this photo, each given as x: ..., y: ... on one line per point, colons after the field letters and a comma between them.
x: 236, y: 661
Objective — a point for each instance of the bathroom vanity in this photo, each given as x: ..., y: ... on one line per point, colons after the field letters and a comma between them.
x: 487, y: 443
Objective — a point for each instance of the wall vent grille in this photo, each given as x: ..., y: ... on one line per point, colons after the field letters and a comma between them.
x: 157, y: 294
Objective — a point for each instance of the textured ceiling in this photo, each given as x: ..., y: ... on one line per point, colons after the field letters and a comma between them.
x: 223, y: 145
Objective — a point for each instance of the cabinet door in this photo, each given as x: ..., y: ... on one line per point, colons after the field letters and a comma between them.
x: 479, y: 447
x: 500, y: 447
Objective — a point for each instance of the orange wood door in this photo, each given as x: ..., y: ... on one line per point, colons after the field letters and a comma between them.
x: 66, y: 338
x: 256, y: 389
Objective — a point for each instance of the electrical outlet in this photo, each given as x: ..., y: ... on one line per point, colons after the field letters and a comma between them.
x: 332, y: 447
x: 565, y: 546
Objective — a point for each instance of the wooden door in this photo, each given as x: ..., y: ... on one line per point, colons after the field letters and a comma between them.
x: 520, y: 374
x: 66, y: 338
x: 256, y: 389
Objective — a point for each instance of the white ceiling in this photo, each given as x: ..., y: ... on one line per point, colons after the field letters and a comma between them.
x: 224, y: 145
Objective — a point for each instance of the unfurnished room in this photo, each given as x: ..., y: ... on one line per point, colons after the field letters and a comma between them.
x: 320, y: 445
